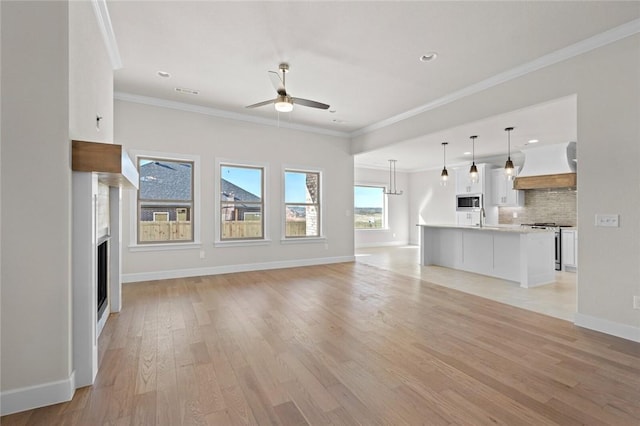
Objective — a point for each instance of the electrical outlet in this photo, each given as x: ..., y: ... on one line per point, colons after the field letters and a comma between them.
x: 607, y: 220
x: 201, y: 254
x: 636, y: 302
x: 515, y: 215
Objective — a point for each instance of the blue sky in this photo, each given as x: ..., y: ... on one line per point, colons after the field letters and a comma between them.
x: 249, y: 180
x: 296, y: 187
x: 246, y: 178
x: 368, y: 196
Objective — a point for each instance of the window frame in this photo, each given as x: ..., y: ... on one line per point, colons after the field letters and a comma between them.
x: 230, y: 242
x: 385, y: 206
x: 195, y: 242
x: 319, y: 204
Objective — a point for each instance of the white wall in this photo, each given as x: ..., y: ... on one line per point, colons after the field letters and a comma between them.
x: 608, y: 92
x: 90, y: 95
x: 396, y: 231
x: 90, y: 76
x: 144, y: 127
x: 36, y: 176
x: 430, y: 202
x: 54, y: 79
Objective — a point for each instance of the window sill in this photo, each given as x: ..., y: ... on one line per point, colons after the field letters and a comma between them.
x: 165, y: 246
x: 372, y: 229
x: 304, y: 240
x: 242, y: 243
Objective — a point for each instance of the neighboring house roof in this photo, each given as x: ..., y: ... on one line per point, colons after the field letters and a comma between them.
x: 161, y: 180
x: 231, y: 191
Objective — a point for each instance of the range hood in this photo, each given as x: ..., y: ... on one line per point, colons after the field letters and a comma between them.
x: 548, y: 166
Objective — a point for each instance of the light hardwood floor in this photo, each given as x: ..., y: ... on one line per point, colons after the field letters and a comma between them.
x: 344, y: 344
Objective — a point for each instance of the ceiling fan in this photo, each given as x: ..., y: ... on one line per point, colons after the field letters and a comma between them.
x: 284, y: 102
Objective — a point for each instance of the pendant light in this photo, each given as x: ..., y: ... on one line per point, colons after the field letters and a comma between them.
x: 392, y: 179
x: 473, y: 171
x: 508, y: 166
x: 444, y: 176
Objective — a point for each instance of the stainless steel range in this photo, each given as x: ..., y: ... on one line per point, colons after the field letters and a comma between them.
x: 551, y: 226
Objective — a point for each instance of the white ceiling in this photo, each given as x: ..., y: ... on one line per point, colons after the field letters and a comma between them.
x: 359, y: 57
x: 549, y: 123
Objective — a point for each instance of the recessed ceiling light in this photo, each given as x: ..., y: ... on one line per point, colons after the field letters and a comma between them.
x: 428, y: 57
x: 466, y: 153
x: 186, y: 91
x: 533, y: 141
x: 164, y: 74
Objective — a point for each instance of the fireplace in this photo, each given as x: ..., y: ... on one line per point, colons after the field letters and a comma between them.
x: 100, y: 171
x: 103, y: 276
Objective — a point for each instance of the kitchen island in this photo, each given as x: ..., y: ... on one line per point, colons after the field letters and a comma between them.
x: 526, y: 256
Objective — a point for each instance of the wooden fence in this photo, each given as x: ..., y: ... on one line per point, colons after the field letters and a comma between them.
x: 296, y: 229
x: 181, y: 230
x: 253, y: 229
x: 165, y: 231
x: 242, y: 229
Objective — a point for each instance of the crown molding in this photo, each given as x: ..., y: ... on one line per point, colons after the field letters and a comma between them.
x: 181, y: 106
x: 108, y: 35
x: 584, y: 46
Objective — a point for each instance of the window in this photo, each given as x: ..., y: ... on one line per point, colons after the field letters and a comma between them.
x: 165, y: 200
x: 369, y: 202
x: 302, y: 204
x: 241, y: 202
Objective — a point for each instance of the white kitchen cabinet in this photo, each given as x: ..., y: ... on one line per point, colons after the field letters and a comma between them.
x: 468, y: 218
x: 569, y: 250
x: 502, y: 188
x: 464, y: 184
x: 516, y: 254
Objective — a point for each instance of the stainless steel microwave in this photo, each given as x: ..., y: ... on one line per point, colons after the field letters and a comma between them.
x: 468, y: 202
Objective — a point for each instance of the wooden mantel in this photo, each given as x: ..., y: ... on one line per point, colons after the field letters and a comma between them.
x: 563, y: 180
x: 109, y: 161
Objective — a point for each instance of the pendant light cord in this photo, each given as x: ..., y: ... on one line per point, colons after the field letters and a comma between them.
x: 444, y: 154
x: 509, y: 129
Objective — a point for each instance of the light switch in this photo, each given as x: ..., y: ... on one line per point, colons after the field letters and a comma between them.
x: 608, y: 220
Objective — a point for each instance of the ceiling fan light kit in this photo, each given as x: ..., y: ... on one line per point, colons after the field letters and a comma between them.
x: 283, y: 103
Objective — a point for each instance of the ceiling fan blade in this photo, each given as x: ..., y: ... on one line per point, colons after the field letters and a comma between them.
x: 263, y: 103
x: 307, y: 102
x: 277, y: 82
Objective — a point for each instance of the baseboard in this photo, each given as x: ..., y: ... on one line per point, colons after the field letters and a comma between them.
x: 22, y: 399
x: 609, y: 327
x: 385, y: 244
x: 229, y: 269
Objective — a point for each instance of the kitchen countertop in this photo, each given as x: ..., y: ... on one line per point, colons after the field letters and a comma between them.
x: 494, y: 228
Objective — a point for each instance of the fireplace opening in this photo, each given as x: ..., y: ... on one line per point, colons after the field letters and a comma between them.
x: 102, y: 267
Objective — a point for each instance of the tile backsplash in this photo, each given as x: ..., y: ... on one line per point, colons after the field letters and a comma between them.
x: 543, y: 205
